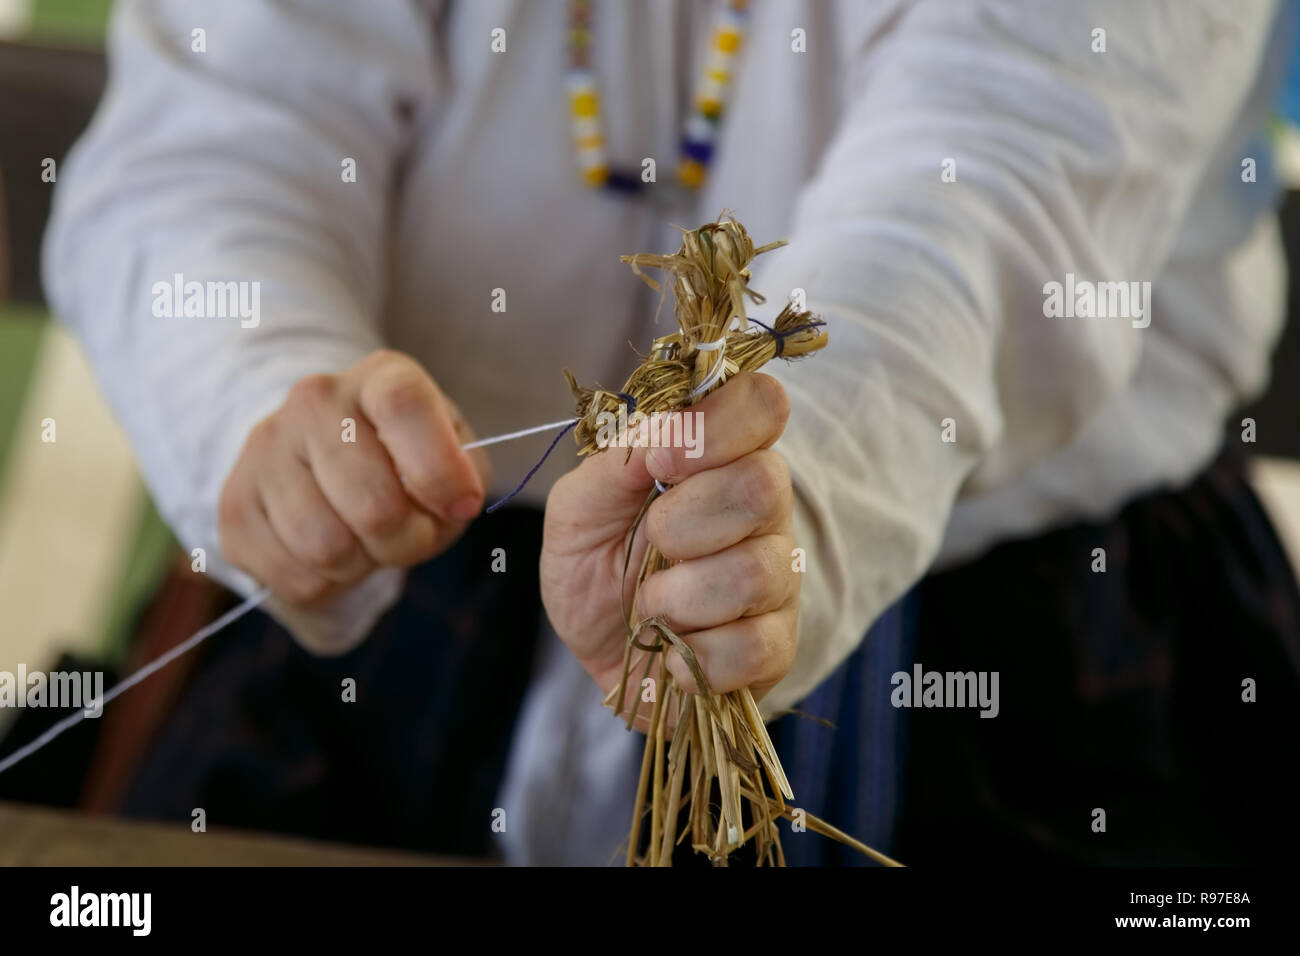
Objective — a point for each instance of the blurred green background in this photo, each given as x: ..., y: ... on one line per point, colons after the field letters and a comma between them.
x: 114, y: 578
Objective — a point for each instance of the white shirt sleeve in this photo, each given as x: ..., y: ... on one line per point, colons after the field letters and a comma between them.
x: 208, y: 159
x: 1066, y: 159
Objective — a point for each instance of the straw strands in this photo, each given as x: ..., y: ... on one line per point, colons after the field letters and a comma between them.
x: 709, y: 772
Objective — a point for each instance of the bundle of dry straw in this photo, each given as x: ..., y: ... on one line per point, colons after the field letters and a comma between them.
x: 719, y: 767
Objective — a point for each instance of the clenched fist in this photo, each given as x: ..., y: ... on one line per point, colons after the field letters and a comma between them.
x: 308, y: 513
x: 727, y: 522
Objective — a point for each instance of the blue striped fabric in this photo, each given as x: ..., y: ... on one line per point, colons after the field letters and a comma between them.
x: 1289, y: 96
x: 850, y: 776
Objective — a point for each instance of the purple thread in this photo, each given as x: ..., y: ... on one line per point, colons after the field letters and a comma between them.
x: 780, y: 336
x: 532, y: 471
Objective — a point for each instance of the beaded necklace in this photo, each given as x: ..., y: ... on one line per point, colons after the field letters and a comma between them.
x: 699, y: 131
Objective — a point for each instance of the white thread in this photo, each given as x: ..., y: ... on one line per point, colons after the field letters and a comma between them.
x: 200, y: 636
x: 719, y: 367
x: 519, y: 434
x: 121, y: 687
x: 715, y: 373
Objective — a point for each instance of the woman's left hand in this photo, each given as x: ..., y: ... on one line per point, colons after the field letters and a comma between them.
x: 727, y: 522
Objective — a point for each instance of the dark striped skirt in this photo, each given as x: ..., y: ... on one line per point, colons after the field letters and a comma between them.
x: 1119, y: 691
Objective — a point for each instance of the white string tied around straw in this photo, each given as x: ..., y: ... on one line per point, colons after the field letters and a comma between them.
x: 719, y: 366
x: 234, y: 614
x: 715, y: 373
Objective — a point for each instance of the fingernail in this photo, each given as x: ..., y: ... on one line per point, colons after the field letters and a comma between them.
x: 465, y: 508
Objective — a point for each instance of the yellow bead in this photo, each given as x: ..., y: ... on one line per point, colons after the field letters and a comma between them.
x: 690, y: 172
x: 709, y: 107
x: 595, y: 175
x: 585, y: 104
x: 728, y: 41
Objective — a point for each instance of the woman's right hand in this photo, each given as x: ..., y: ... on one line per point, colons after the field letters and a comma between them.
x: 354, y: 471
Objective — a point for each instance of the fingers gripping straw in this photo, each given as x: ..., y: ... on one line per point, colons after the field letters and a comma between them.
x: 720, y: 739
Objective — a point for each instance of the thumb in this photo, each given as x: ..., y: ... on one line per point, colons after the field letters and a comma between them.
x: 620, y: 469
x: 417, y: 426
